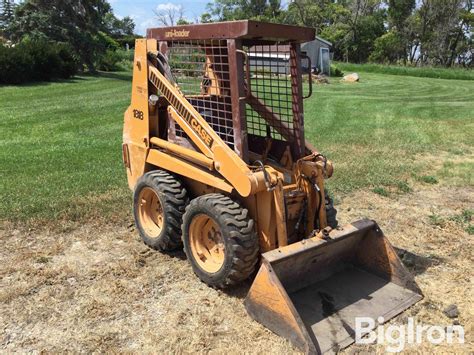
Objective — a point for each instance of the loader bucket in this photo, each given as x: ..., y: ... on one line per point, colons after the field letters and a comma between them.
x: 310, y: 292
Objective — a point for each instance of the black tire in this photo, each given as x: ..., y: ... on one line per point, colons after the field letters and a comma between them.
x: 239, y: 237
x: 331, y: 212
x: 173, y: 198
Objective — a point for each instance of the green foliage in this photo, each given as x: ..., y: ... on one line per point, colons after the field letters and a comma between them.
x: 335, y: 71
x: 188, y: 62
x: 387, y: 48
x: 399, y: 11
x: 442, y: 32
x: 381, y: 191
x: 470, y: 229
x: 7, y: 10
x: 182, y: 21
x: 428, y: 179
x: 403, y: 187
x: 387, y: 31
x: 109, y: 61
x: 437, y: 220
x: 118, y: 28
x: 106, y: 41
x: 89, y: 26
x: 36, y: 60
x: 116, y: 60
x: 422, y: 72
x: 464, y: 217
x: 229, y: 10
x: 206, y: 17
x: 313, y: 13
x: 130, y: 40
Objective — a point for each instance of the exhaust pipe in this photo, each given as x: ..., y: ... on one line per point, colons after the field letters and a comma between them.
x: 311, y: 292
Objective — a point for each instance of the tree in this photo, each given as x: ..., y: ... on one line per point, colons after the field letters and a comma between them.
x: 7, y: 11
x: 401, y: 38
x: 169, y: 14
x: 387, y: 48
x: 80, y: 23
x: 118, y: 27
x: 443, y: 31
x: 229, y: 10
x: 312, y: 13
x: 206, y: 17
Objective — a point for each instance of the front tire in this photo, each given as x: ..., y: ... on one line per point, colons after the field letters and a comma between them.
x: 159, y: 201
x: 219, y: 240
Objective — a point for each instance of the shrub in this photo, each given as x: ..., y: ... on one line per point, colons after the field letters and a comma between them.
x: 109, y: 61
x: 36, y: 60
x: 386, y: 48
x: 130, y: 40
x: 116, y: 60
x: 336, y: 72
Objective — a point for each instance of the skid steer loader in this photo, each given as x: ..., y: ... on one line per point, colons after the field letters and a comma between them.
x: 215, y: 152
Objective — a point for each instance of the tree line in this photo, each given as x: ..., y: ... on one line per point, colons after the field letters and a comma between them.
x: 408, y: 32
x: 87, y: 29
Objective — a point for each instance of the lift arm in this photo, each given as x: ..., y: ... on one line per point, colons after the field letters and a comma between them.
x: 226, y: 161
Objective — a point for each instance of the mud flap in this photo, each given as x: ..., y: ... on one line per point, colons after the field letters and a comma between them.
x: 310, y: 292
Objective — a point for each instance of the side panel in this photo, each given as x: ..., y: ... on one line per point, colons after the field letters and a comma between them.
x: 136, y: 118
x: 268, y: 303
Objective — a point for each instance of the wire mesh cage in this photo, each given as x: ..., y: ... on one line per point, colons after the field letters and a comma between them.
x: 272, y: 89
x: 201, y: 70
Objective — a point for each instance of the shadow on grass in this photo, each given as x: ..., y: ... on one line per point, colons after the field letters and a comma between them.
x: 178, y: 254
x: 238, y: 291
x: 74, y: 79
x: 417, y: 264
x: 80, y: 77
x: 125, y: 76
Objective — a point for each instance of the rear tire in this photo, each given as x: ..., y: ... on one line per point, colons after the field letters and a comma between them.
x: 219, y: 240
x: 159, y: 202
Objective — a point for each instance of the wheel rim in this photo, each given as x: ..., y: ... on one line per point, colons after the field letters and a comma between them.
x: 207, y: 243
x: 150, y: 212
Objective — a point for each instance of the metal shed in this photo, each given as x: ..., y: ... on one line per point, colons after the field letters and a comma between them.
x: 274, y: 59
x: 318, y: 50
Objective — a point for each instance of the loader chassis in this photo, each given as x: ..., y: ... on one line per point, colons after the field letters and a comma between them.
x: 215, y: 152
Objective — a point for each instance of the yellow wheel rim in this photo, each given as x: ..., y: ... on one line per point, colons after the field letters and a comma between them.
x: 150, y: 212
x: 207, y: 243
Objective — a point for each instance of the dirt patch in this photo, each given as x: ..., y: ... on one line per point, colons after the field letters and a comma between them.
x: 98, y: 288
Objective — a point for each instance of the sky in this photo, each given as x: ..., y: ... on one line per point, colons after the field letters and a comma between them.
x: 141, y: 11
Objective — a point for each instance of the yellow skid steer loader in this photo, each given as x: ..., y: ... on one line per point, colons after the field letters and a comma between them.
x: 214, y: 150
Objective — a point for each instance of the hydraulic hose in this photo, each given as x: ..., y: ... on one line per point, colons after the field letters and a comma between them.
x: 320, y: 202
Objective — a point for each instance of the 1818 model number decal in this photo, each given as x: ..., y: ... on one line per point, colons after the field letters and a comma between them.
x: 138, y: 114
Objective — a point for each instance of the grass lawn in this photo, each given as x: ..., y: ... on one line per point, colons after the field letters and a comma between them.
x: 422, y: 72
x: 61, y: 148
x: 386, y: 129
x: 61, y: 142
